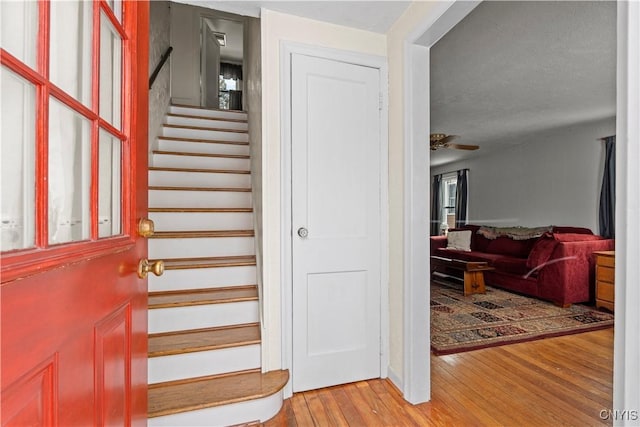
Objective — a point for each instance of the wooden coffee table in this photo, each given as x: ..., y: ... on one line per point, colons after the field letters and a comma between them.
x: 473, y: 272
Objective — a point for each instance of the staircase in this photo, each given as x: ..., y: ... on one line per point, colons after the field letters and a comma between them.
x: 204, y: 331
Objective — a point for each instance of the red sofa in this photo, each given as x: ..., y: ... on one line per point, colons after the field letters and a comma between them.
x: 557, y: 266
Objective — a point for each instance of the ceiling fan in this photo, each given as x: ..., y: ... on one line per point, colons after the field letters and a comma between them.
x: 440, y: 140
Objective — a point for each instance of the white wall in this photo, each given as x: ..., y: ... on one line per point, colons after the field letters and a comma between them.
x: 160, y: 93
x: 550, y: 178
x: 185, y: 63
x: 276, y: 28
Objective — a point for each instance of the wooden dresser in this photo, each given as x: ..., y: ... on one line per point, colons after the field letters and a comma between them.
x: 605, y: 278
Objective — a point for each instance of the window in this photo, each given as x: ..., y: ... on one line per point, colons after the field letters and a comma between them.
x: 226, y: 85
x: 230, y: 89
x: 448, y: 190
x: 64, y: 129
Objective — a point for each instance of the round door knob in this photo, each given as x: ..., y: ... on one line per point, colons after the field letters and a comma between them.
x: 303, y: 232
x: 145, y: 267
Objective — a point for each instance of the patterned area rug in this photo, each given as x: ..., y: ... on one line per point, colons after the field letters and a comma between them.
x: 498, y: 317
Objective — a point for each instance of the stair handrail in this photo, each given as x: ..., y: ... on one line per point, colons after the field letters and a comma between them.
x: 163, y: 59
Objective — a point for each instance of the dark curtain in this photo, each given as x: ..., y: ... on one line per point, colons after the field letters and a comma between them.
x: 235, y: 100
x: 231, y: 71
x: 608, y: 190
x: 436, y: 205
x: 461, y: 198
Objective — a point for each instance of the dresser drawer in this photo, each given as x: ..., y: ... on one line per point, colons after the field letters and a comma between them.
x: 607, y: 261
x: 605, y: 291
x: 606, y: 274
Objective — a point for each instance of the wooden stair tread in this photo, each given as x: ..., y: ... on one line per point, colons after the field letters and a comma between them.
x: 201, y: 233
x: 186, y: 153
x: 182, y: 298
x: 205, y: 128
x: 166, y: 344
x: 206, y: 392
x: 204, y: 141
x: 222, y: 119
x: 229, y: 171
x: 164, y: 187
x: 209, y: 109
x: 205, y: 210
x: 208, y: 262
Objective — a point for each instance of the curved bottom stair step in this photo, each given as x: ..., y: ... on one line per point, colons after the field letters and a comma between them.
x: 185, y: 402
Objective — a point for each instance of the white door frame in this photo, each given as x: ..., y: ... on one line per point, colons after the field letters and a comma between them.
x: 286, y: 50
x: 416, y: 381
x: 416, y: 378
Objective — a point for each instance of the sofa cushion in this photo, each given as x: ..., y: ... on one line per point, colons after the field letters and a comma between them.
x: 508, y: 246
x: 574, y: 230
x: 541, y: 251
x: 517, y: 266
x: 459, y: 240
x: 575, y: 237
x: 479, y: 242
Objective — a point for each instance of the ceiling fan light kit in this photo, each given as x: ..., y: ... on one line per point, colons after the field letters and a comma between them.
x: 441, y: 140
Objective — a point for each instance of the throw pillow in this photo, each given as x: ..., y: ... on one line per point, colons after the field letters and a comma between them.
x: 459, y: 240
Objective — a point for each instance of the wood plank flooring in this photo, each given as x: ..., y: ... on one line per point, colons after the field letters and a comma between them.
x: 558, y: 381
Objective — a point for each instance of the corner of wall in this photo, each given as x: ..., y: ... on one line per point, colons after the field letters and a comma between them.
x: 160, y: 93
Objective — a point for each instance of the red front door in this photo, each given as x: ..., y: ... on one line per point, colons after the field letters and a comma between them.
x: 74, y: 167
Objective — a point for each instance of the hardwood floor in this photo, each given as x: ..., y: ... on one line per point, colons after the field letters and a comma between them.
x: 557, y: 381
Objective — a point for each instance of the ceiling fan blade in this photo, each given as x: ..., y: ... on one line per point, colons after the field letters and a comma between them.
x: 463, y: 146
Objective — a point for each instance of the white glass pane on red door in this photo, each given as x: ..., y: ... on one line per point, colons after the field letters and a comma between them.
x: 17, y: 151
x: 109, y: 185
x: 69, y: 174
x: 110, y: 72
x: 70, y: 48
x: 19, y: 29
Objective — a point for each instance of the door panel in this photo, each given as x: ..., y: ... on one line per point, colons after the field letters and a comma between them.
x: 31, y: 401
x: 336, y: 198
x: 73, y: 310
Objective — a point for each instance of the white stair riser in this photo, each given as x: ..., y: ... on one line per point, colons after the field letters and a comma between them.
x: 225, y: 415
x: 199, y: 199
x: 206, y: 123
x: 202, y: 147
x: 184, y: 221
x: 199, y: 179
x: 202, y: 316
x: 216, y: 114
x: 203, y: 278
x: 205, y: 134
x: 201, y: 247
x: 172, y: 161
x: 203, y: 363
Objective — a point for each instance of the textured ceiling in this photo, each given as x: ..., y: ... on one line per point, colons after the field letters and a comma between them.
x: 376, y: 16
x: 511, y: 69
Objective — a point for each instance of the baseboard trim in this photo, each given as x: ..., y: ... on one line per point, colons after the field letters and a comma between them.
x: 395, y: 379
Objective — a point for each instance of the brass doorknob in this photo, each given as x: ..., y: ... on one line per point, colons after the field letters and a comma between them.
x: 145, y: 227
x: 145, y: 267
